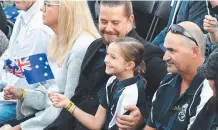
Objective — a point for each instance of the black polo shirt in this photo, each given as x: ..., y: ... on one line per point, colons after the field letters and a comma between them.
x: 170, y: 111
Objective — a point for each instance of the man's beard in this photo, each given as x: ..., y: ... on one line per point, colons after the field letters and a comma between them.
x: 106, y: 42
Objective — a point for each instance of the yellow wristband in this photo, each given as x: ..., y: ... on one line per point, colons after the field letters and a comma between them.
x: 23, y: 94
x: 70, y: 107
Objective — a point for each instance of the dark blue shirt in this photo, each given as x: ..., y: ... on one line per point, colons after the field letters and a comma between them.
x: 102, y: 53
x: 109, y: 96
x: 172, y: 111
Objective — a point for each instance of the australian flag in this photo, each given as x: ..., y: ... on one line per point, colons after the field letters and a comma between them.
x: 13, y: 68
x: 38, y: 69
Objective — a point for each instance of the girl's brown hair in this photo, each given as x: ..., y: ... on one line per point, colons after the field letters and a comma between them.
x: 133, y: 50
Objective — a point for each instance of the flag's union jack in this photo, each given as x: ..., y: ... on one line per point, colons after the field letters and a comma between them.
x: 18, y: 66
x: 34, y: 68
x: 24, y: 64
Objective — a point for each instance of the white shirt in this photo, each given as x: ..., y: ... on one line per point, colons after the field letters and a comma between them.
x: 30, y: 36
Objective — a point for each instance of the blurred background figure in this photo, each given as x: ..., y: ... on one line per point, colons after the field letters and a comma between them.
x: 3, y: 20
x: 10, y: 10
x: 92, y: 7
x: 3, y: 43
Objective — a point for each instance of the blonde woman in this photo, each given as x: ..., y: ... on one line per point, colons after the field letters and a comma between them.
x: 74, y: 32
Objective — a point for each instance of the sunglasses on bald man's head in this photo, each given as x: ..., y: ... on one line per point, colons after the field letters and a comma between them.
x: 177, y: 29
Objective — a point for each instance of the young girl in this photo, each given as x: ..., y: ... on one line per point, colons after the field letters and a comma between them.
x: 124, y: 60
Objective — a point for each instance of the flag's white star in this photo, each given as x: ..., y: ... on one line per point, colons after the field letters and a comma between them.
x: 45, y: 67
x: 40, y: 58
x: 36, y: 66
x: 45, y: 74
x: 46, y: 63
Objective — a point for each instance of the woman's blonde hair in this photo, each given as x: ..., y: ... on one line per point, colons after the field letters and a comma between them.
x: 74, y: 18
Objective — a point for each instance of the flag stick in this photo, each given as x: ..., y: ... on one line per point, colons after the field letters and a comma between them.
x: 208, y: 11
x: 43, y: 87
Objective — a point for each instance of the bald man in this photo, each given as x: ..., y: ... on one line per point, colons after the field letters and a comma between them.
x: 182, y: 93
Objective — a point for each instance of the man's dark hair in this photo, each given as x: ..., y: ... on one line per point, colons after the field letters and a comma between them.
x: 128, y: 9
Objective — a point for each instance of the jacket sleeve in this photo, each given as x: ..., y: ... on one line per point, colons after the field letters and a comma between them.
x: 33, y: 102
x: 196, y: 12
x: 155, y: 72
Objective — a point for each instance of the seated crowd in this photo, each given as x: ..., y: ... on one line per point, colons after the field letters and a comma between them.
x: 109, y: 78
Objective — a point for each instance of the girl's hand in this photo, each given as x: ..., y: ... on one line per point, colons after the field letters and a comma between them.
x: 59, y: 100
x: 210, y: 24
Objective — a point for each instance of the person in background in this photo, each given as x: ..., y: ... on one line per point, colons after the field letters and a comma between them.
x: 30, y: 36
x: 74, y: 32
x: 183, y: 92
x: 4, y: 42
x: 193, y: 11
x: 3, y: 21
x: 208, y: 117
x: 3, y: 47
x: 210, y: 23
x: 91, y: 4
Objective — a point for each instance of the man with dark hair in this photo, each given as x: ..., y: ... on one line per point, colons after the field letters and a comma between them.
x: 183, y: 92
x: 115, y: 20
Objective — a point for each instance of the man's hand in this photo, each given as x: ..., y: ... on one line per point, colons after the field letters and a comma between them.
x: 17, y: 127
x: 11, y: 92
x: 132, y: 121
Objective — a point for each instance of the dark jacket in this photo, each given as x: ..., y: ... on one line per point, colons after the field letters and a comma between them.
x: 207, y: 118
x: 3, y: 20
x: 86, y: 92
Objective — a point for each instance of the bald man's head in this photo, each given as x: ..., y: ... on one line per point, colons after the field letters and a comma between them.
x: 195, y: 31
x: 185, y: 47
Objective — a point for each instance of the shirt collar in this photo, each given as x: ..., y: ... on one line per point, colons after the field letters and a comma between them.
x: 127, y: 82
x: 131, y: 32
x: 26, y: 16
x: 196, y: 82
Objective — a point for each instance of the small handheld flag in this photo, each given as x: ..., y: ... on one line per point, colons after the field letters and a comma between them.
x: 12, y: 67
x: 38, y: 69
x: 208, y: 11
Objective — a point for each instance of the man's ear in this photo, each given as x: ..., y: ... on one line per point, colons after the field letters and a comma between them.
x: 131, y: 18
x: 196, y: 51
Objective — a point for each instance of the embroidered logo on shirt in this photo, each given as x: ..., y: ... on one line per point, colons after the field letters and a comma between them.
x: 182, y: 113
